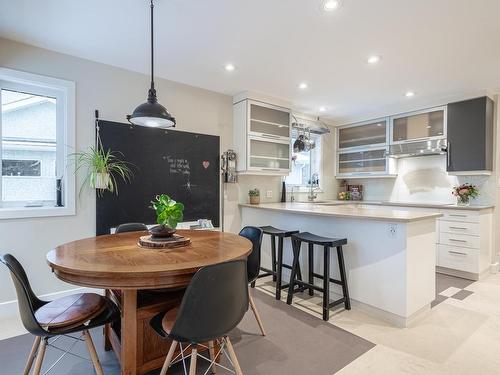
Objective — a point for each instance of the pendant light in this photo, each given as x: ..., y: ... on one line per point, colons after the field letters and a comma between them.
x: 151, y: 113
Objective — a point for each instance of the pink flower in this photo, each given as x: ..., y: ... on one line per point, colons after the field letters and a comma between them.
x: 463, y: 192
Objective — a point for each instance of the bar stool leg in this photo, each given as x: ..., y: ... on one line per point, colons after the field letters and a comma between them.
x: 273, y: 254
x: 295, y: 264
x: 343, y: 278
x: 311, y: 268
x: 326, y: 284
x: 279, y: 270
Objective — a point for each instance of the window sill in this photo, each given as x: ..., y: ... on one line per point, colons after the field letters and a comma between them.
x: 29, y: 212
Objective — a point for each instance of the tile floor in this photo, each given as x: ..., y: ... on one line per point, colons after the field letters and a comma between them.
x: 460, y: 336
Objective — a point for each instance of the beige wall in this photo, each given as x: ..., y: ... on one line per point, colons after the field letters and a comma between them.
x: 115, y: 92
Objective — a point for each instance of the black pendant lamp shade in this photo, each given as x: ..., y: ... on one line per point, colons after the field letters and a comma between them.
x: 151, y: 113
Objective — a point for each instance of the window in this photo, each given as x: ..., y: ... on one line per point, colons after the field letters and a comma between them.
x: 37, y: 134
x: 300, y: 172
x: 15, y: 168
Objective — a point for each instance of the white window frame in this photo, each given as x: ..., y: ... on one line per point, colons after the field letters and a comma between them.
x: 64, y: 92
x: 305, y: 187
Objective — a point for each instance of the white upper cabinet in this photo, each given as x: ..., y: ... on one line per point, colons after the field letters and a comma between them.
x: 262, y: 138
x: 421, y: 125
x: 362, y: 150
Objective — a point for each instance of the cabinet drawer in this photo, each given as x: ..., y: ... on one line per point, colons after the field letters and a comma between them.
x: 458, y: 258
x: 459, y: 240
x: 460, y: 215
x: 456, y: 227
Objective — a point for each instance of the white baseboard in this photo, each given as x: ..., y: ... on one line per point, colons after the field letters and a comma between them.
x: 10, y: 309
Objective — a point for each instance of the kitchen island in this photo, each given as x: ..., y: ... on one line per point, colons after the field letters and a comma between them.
x: 390, y: 256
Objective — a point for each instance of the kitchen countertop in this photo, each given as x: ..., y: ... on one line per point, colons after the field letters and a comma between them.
x: 346, y: 211
x: 410, y: 204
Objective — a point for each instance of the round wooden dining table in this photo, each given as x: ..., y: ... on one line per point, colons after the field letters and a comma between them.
x: 131, y: 275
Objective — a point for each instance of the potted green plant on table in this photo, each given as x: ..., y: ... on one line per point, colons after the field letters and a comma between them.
x: 254, y: 195
x: 168, y: 214
x: 103, y: 169
x: 464, y: 192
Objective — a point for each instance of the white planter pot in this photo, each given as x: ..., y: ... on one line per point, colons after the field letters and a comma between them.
x: 100, y: 180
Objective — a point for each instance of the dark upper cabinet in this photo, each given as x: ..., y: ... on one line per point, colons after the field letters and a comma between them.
x: 470, y: 136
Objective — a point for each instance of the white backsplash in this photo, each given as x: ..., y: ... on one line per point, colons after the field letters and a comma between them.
x: 424, y: 179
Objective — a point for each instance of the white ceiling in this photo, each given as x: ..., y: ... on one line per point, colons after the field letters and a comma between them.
x: 437, y: 48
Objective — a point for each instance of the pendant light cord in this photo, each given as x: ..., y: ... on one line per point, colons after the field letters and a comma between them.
x: 152, y: 48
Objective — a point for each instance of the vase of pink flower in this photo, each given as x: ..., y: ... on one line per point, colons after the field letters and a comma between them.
x: 464, y: 193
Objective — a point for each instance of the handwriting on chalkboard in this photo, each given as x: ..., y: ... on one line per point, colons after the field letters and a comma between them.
x: 178, y: 166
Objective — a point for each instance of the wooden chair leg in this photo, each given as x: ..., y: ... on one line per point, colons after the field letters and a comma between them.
x: 192, y: 366
x: 256, y: 313
x: 212, y: 355
x: 168, y: 360
x: 31, y: 357
x: 93, y: 354
x: 39, y: 357
x: 233, y: 357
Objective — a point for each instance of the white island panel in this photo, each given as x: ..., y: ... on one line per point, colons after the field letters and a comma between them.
x: 390, y: 265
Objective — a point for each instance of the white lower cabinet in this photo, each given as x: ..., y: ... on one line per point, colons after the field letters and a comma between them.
x: 458, y: 258
x: 464, y: 245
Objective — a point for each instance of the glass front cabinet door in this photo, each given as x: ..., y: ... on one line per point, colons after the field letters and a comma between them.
x: 269, y: 155
x: 368, y: 162
x: 372, y: 133
x: 420, y: 125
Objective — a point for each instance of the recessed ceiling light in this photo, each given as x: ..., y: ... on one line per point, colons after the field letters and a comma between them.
x: 322, y: 109
x: 373, y: 59
x: 409, y: 94
x: 229, y: 67
x: 303, y: 86
x: 331, y: 5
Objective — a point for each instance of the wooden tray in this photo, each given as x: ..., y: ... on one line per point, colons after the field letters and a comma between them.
x: 173, y: 242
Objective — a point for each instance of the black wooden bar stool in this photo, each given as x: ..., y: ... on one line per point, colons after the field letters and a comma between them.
x: 277, y: 259
x: 327, y: 243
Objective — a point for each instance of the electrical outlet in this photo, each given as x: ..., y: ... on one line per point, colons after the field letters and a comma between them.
x: 269, y: 194
x: 393, y: 230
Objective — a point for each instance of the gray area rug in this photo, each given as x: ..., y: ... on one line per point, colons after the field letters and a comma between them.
x: 296, y: 343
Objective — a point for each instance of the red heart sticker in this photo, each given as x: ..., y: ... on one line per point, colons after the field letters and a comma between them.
x: 206, y: 164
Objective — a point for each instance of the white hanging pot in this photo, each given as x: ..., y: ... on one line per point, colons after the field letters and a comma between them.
x: 99, y: 180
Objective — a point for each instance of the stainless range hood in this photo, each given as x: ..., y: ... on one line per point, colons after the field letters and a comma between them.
x: 420, y: 148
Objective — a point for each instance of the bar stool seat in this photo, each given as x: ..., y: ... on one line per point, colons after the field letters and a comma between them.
x: 272, y: 231
x: 327, y: 243
x: 277, y: 259
x: 318, y: 240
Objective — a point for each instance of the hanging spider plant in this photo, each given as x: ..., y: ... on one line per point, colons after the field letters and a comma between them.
x: 103, y: 169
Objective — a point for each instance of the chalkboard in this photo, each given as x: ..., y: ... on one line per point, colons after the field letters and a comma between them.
x: 183, y: 165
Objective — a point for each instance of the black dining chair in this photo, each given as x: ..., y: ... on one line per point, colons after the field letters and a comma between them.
x: 214, y: 303
x: 254, y: 234
x: 130, y: 227
x: 62, y: 317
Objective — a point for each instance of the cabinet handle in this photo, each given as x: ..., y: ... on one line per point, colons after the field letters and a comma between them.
x: 458, y: 215
x: 271, y: 169
x: 463, y: 228
x: 454, y: 240
x: 456, y: 252
x: 271, y: 136
x: 448, y: 154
